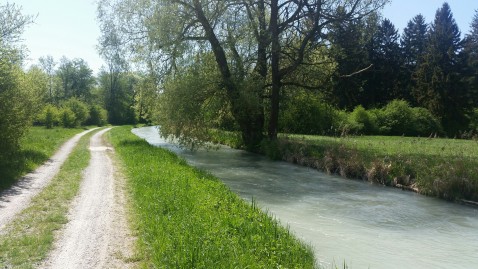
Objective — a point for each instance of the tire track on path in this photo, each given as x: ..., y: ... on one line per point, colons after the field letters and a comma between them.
x: 18, y: 197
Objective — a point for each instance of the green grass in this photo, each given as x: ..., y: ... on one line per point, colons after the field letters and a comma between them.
x: 445, y: 168
x: 38, y: 145
x: 28, y: 239
x: 186, y: 218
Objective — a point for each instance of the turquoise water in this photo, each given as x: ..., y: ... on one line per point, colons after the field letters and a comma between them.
x: 366, y: 226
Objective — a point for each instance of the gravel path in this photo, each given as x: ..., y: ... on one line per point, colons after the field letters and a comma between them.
x: 17, y: 198
x: 97, y: 234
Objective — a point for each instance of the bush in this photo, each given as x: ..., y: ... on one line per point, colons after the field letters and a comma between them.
x: 50, y: 116
x: 79, y: 109
x: 16, y: 103
x: 424, y: 123
x: 395, y: 118
x: 97, y: 115
x: 307, y: 113
x: 68, y: 119
x: 361, y: 122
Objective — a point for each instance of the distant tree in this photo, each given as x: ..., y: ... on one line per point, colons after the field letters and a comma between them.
x: 76, y: 79
x: 383, y: 84
x: 439, y: 86
x: 48, y: 65
x: 413, y: 43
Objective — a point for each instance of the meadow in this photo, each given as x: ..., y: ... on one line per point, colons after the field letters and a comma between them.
x: 186, y: 218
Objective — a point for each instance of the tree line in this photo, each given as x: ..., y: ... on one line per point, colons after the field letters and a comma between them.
x: 57, y: 93
x: 244, y: 65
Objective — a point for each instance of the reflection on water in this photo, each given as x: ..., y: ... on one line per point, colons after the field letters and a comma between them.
x: 364, y: 225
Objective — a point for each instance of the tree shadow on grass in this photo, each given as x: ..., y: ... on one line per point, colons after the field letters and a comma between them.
x: 18, y: 164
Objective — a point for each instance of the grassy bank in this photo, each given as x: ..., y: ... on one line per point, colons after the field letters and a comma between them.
x: 28, y: 239
x: 186, y: 218
x: 37, y: 146
x: 444, y: 168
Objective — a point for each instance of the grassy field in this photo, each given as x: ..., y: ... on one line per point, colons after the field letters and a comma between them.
x: 186, y: 218
x: 27, y: 240
x: 445, y: 168
x: 37, y: 146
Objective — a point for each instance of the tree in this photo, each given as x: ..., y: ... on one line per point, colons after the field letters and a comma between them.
x: 16, y: 101
x: 413, y: 43
x: 76, y: 79
x: 243, y: 36
x: 383, y: 84
x: 48, y: 65
x: 471, y: 53
x: 438, y: 78
x: 13, y: 23
x: 348, y: 40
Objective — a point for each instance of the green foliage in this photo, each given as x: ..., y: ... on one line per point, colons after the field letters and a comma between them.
x: 97, y: 116
x: 360, y: 121
x: 186, y: 218
x: 191, y: 104
x: 473, y: 121
x: 307, y: 113
x: 67, y: 118
x: 17, y: 106
x: 50, y: 116
x: 398, y: 118
x: 79, y: 109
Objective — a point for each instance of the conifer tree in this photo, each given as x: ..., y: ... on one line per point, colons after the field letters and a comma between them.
x: 383, y: 83
x: 413, y: 44
x: 439, y: 87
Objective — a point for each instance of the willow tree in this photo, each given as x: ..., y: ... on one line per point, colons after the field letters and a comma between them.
x: 256, y: 44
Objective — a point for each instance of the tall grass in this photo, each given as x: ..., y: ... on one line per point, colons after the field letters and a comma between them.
x: 29, y: 238
x: 186, y: 218
x: 37, y: 146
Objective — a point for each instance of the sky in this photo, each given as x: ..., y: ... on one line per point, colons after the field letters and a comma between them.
x: 69, y: 27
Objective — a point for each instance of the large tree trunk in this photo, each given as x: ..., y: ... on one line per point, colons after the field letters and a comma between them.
x: 250, y: 118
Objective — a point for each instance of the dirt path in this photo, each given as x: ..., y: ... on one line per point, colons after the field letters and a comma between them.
x: 97, y: 234
x: 17, y: 198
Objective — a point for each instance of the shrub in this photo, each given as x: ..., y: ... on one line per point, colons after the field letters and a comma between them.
x: 49, y: 116
x: 80, y: 110
x: 361, y: 122
x: 307, y: 113
x: 396, y: 118
x: 424, y: 123
x: 97, y: 115
x: 68, y: 119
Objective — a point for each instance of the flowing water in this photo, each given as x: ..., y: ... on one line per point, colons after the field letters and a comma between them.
x: 363, y: 225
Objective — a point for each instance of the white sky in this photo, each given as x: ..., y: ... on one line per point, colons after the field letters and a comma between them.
x: 69, y: 27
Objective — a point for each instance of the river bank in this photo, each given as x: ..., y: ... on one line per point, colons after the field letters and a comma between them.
x: 443, y: 168
x: 187, y: 218
x: 364, y: 225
